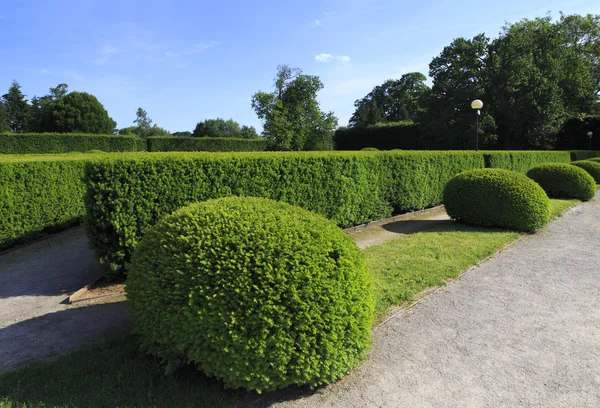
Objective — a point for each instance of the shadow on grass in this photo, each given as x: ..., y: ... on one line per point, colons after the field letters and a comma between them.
x: 412, y: 226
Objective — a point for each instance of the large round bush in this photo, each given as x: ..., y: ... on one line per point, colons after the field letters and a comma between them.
x: 592, y: 167
x: 562, y: 180
x: 494, y: 197
x: 258, y: 293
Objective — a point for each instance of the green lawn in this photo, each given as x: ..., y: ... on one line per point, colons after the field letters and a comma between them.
x: 115, y: 373
x: 558, y: 207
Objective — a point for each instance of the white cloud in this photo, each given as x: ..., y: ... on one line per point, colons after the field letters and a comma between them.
x: 328, y: 57
x: 317, y: 22
x: 328, y: 13
x: 194, y: 49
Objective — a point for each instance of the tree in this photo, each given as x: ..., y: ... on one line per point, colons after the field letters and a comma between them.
x: 248, y: 132
x: 542, y: 72
x: 458, y: 78
x: 183, y: 134
x: 291, y: 115
x: 393, y: 101
x: 16, y: 107
x: 4, y: 119
x: 217, y: 128
x: 80, y: 112
x: 143, y: 122
x: 40, y: 109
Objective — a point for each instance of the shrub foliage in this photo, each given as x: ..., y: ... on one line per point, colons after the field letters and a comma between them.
x: 522, y: 161
x: 258, y: 293
x: 591, y: 166
x: 563, y: 180
x: 495, y: 197
x: 39, y: 195
x: 36, y: 143
x: 127, y: 195
x: 207, y: 144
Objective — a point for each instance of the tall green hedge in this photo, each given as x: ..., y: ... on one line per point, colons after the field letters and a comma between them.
x: 127, y: 195
x: 205, y: 144
x: 522, y: 161
x: 584, y: 154
x: 40, y: 193
x: 387, y: 136
x: 38, y: 143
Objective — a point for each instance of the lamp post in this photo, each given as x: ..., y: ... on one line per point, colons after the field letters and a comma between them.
x: 476, y: 105
x: 590, y: 134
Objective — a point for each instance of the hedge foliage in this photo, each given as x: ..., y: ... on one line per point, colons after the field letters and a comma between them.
x: 258, y: 293
x: 497, y: 198
x: 127, y: 195
x: 522, y: 161
x: 205, y: 144
x: 584, y: 154
x: 561, y: 180
x: 37, y: 143
x: 38, y: 194
x: 591, y: 166
x: 385, y: 136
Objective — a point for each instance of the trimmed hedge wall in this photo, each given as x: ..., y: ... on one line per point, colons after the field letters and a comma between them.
x: 497, y: 198
x: 128, y: 195
x: 563, y: 180
x: 522, y: 161
x: 386, y: 136
x: 205, y: 144
x: 38, y: 194
x: 38, y: 143
x: 237, y: 283
x: 584, y: 154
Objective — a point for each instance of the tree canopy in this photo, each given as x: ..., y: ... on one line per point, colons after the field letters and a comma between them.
x: 217, y: 128
x: 533, y: 77
x: 16, y: 108
x: 292, y: 117
x: 80, y: 112
x: 393, y: 101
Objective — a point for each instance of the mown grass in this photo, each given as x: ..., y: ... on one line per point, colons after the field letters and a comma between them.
x: 117, y: 374
x: 558, y: 207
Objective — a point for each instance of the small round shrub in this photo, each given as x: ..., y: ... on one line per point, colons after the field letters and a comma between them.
x: 95, y: 151
x: 595, y: 159
x: 561, y: 180
x: 497, y: 198
x: 592, y: 167
x: 258, y: 293
x: 369, y: 149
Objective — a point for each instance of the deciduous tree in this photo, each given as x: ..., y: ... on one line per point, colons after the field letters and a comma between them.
x: 292, y: 117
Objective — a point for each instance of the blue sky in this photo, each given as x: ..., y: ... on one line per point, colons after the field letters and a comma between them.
x: 184, y: 61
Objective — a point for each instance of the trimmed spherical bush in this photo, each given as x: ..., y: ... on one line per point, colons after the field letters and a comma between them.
x: 497, y: 198
x: 369, y: 149
x: 258, y: 293
x: 591, y: 166
x: 562, y: 180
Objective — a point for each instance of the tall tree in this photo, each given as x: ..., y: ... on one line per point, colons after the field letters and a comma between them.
x: 248, y: 132
x: 40, y: 109
x: 393, y: 101
x: 143, y: 122
x: 4, y: 119
x: 16, y: 107
x: 292, y: 117
x: 80, y: 112
x: 459, y: 77
x: 217, y: 128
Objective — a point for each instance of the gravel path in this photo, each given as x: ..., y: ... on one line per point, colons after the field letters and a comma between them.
x: 521, y: 330
x: 35, y: 281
